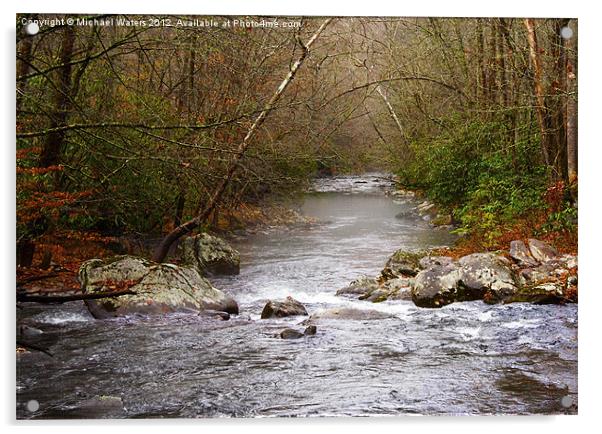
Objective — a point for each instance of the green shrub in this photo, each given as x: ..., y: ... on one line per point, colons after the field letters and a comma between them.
x: 480, y: 172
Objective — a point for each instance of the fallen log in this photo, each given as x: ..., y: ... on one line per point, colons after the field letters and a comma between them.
x: 24, y: 297
x: 35, y: 278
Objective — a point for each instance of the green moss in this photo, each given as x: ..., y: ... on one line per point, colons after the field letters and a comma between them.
x: 380, y: 298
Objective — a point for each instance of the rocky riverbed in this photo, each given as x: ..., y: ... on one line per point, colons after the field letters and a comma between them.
x: 416, y: 331
x: 536, y: 274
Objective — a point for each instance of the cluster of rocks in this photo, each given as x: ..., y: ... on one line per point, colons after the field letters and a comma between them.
x: 426, y: 209
x: 533, y: 272
x: 163, y: 288
x: 290, y: 307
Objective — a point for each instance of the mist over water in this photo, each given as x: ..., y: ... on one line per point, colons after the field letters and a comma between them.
x: 465, y: 358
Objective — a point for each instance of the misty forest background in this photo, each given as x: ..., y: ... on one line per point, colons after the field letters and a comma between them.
x: 129, y: 131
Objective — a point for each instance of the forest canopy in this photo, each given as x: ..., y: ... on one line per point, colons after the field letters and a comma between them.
x: 132, y: 129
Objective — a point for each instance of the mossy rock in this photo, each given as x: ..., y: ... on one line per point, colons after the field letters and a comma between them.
x: 359, y: 287
x: 158, y: 288
x: 542, y: 293
x: 403, y: 263
x: 210, y: 255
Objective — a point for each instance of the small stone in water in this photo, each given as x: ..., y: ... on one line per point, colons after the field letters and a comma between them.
x: 310, y: 330
x: 290, y: 334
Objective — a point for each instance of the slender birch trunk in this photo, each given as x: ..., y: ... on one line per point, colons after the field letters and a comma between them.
x: 571, y: 111
x: 163, y: 249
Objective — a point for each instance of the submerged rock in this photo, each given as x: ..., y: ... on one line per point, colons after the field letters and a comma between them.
x: 210, y: 255
x: 280, y: 309
x: 102, y: 406
x: 294, y: 334
x: 310, y: 330
x: 290, y: 334
x: 360, y: 286
x: 216, y: 314
x: 348, y: 313
x: 159, y: 288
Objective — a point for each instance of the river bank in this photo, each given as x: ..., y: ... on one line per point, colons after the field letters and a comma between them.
x: 513, y: 266
x: 59, y: 256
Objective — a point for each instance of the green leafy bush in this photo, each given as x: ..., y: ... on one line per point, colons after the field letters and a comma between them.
x: 479, y: 171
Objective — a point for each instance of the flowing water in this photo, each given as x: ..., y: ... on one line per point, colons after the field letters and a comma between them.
x: 465, y: 358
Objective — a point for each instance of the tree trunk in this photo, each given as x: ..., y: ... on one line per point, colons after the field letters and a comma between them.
x: 51, y: 150
x: 538, y: 86
x: 50, y: 154
x: 557, y: 94
x: 397, y: 122
x: 483, y: 96
x: 571, y: 110
x: 23, y: 64
x: 27, y: 298
x: 492, y: 64
x: 25, y: 252
x: 180, y: 203
x: 511, y: 94
x: 163, y: 249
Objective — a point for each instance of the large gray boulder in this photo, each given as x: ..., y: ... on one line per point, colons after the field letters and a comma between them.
x: 551, y: 270
x: 431, y: 261
x: 399, y: 288
x: 473, y: 277
x: 210, y: 255
x: 159, y: 288
x: 436, y: 286
x: 486, y: 273
x: 295, y: 334
x: 284, y: 308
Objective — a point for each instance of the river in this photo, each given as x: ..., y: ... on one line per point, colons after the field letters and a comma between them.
x: 465, y: 358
